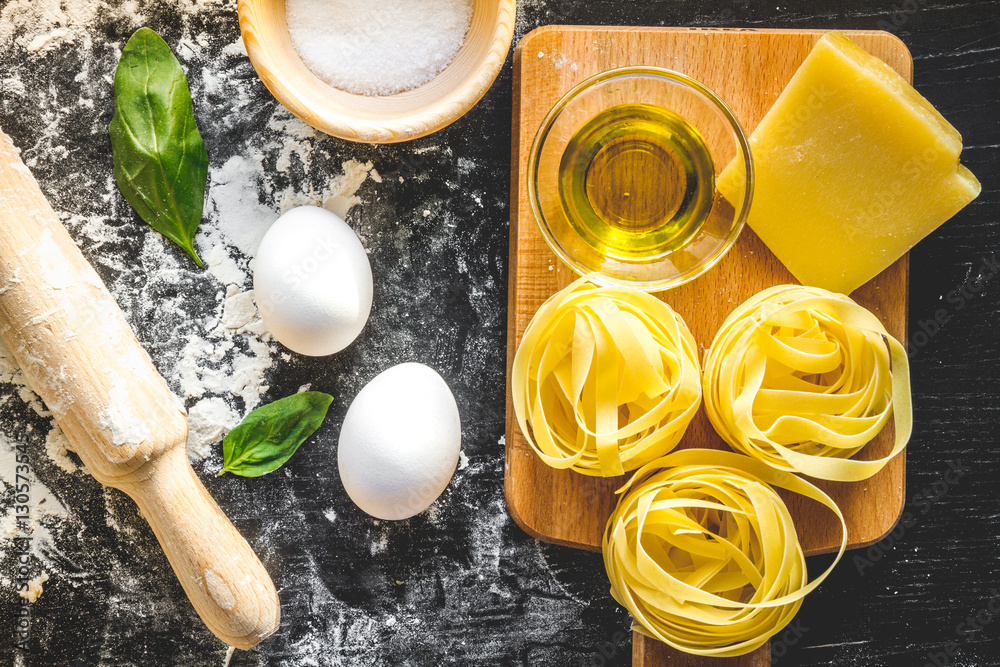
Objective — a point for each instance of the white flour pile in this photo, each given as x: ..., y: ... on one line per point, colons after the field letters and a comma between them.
x: 50, y: 23
x: 378, y: 47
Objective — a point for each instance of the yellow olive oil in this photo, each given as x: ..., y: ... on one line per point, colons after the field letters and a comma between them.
x: 637, y: 181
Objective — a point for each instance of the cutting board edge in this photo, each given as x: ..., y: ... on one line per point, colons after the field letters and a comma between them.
x: 538, y: 534
x: 541, y: 30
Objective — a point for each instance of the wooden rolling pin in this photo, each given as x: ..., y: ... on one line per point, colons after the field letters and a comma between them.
x: 80, y: 356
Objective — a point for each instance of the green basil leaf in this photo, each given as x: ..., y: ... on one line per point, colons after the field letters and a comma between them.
x: 270, y: 434
x: 160, y: 162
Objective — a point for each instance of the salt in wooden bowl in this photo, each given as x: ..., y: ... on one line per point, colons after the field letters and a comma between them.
x: 369, y: 118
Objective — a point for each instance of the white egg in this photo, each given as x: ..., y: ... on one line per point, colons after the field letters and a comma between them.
x: 400, y: 442
x: 313, y: 282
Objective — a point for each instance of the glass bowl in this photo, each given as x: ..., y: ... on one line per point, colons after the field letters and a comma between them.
x: 642, y: 175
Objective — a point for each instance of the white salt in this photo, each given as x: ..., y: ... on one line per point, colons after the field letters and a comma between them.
x: 378, y: 47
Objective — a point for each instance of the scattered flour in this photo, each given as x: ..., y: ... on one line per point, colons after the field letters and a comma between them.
x: 47, y: 516
x: 380, y: 543
x: 231, y: 358
x: 10, y: 373
x: 119, y: 512
x: 221, y: 364
x: 37, y: 26
x: 57, y: 448
x: 42, y: 25
x: 239, y: 220
x: 342, y: 194
x: 239, y: 310
x: 11, y: 86
x: 223, y: 266
x: 208, y: 422
x: 35, y: 588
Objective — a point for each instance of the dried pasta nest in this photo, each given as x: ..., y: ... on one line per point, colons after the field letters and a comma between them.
x: 605, y: 379
x: 803, y: 379
x: 703, y: 552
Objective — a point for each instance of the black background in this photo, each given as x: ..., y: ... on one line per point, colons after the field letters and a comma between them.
x: 468, y: 587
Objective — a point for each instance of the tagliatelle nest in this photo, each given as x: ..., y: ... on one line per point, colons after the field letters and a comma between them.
x: 702, y: 551
x: 803, y: 379
x: 605, y: 379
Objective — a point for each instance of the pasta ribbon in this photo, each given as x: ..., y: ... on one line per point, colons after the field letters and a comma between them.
x: 605, y: 379
x: 702, y: 551
x: 803, y: 379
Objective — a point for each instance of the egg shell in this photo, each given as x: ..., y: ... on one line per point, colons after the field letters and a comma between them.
x: 400, y: 442
x: 313, y: 282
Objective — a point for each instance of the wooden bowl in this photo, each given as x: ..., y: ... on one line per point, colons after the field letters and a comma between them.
x: 378, y: 119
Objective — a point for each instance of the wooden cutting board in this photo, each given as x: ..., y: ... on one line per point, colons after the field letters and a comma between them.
x: 748, y: 69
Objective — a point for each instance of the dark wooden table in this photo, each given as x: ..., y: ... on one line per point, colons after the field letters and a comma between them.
x: 462, y: 584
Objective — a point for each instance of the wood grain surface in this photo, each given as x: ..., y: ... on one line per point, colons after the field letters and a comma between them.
x: 748, y: 69
x: 648, y: 652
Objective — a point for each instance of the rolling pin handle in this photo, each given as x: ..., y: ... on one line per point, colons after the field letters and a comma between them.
x: 226, y: 582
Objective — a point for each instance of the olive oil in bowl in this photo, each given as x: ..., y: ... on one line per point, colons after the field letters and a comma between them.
x: 621, y: 178
x: 637, y: 181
